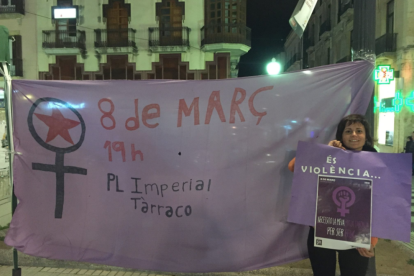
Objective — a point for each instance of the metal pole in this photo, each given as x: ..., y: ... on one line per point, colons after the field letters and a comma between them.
x: 7, y: 98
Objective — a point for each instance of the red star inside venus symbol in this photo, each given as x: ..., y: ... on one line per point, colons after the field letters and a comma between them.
x: 58, y: 125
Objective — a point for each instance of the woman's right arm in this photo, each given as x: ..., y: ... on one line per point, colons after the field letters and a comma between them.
x: 291, y: 165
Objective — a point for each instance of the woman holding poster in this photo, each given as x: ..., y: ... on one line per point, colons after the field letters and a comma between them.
x: 352, y: 134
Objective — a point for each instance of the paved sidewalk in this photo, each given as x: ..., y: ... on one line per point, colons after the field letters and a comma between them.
x: 48, y: 271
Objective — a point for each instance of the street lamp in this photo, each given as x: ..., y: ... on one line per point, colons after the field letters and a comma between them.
x: 273, y: 68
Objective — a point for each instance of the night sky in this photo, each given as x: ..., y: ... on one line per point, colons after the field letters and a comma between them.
x: 269, y: 21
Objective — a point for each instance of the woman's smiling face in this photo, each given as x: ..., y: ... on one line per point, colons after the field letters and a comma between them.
x: 353, y: 136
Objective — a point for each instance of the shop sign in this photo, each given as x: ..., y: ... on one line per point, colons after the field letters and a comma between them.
x: 384, y: 74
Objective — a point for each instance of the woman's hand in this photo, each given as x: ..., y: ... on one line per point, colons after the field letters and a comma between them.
x: 336, y: 144
x: 366, y: 253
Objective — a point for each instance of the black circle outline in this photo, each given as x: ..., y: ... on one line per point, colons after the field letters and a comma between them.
x: 40, y: 140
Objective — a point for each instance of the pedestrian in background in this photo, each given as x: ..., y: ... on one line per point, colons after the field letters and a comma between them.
x: 409, y: 148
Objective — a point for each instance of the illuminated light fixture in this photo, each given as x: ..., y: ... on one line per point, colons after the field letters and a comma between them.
x: 392, y: 105
x: 273, y: 68
x: 384, y: 74
x: 409, y: 101
x: 65, y: 12
x: 398, y: 102
x: 376, y: 104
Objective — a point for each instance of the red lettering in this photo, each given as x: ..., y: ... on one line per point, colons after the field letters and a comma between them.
x: 107, y: 114
x: 214, y: 103
x: 119, y: 146
x: 108, y: 146
x: 235, y: 105
x: 148, y: 116
x: 134, y: 120
x: 135, y: 152
x: 251, y: 106
x: 183, y: 108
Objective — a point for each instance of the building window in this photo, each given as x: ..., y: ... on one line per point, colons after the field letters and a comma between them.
x: 225, y: 21
x: 5, y: 3
x: 170, y: 15
x: 16, y: 61
x: 390, y: 17
x: 217, y: 69
x: 320, y: 25
x: 329, y: 14
x: 117, y: 68
x: 117, y: 15
x: 66, y: 68
x: 225, y: 12
x: 65, y: 27
x: 64, y: 3
x: 172, y: 68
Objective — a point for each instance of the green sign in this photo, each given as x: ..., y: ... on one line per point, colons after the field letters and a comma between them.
x: 384, y: 74
x: 394, y: 104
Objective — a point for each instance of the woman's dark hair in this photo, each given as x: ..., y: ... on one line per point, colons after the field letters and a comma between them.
x: 410, y: 138
x: 351, y: 119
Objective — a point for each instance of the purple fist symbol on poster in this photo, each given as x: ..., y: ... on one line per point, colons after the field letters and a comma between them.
x: 344, y: 198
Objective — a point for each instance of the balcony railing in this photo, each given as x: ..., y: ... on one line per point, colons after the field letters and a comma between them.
x: 325, y: 27
x: 171, y: 36
x: 344, y: 7
x: 344, y: 59
x: 16, y: 67
x: 386, y: 43
x: 17, y: 7
x: 115, y: 38
x: 64, y: 39
x: 226, y: 33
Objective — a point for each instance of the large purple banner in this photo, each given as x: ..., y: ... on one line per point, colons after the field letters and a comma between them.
x: 391, y: 186
x: 186, y: 176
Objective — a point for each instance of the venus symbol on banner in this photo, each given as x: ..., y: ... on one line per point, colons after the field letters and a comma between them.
x: 344, y: 198
x: 58, y: 125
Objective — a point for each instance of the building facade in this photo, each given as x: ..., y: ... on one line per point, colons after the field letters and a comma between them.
x: 328, y: 40
x: 127, y: 39
x: 394, y: 46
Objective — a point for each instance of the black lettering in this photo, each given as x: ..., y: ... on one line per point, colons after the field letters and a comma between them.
x: 110, y: 177
x: 200, y: 187
x: 187, y: 210
x: 136, y: 186
x: 176, y: 211
x: 144, y: 209
x: 162, y: 190
x: 152, y: 185
x: 159, y: 206
x: 170, y: 212
x: 117, y: 186
x: 152, y: 206
x: 184, y: 185
x: 135, y: 200
x: 175, y: 185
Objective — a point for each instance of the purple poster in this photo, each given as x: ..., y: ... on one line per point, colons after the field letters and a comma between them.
x: 343, y: 212
x: 391, y: 185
